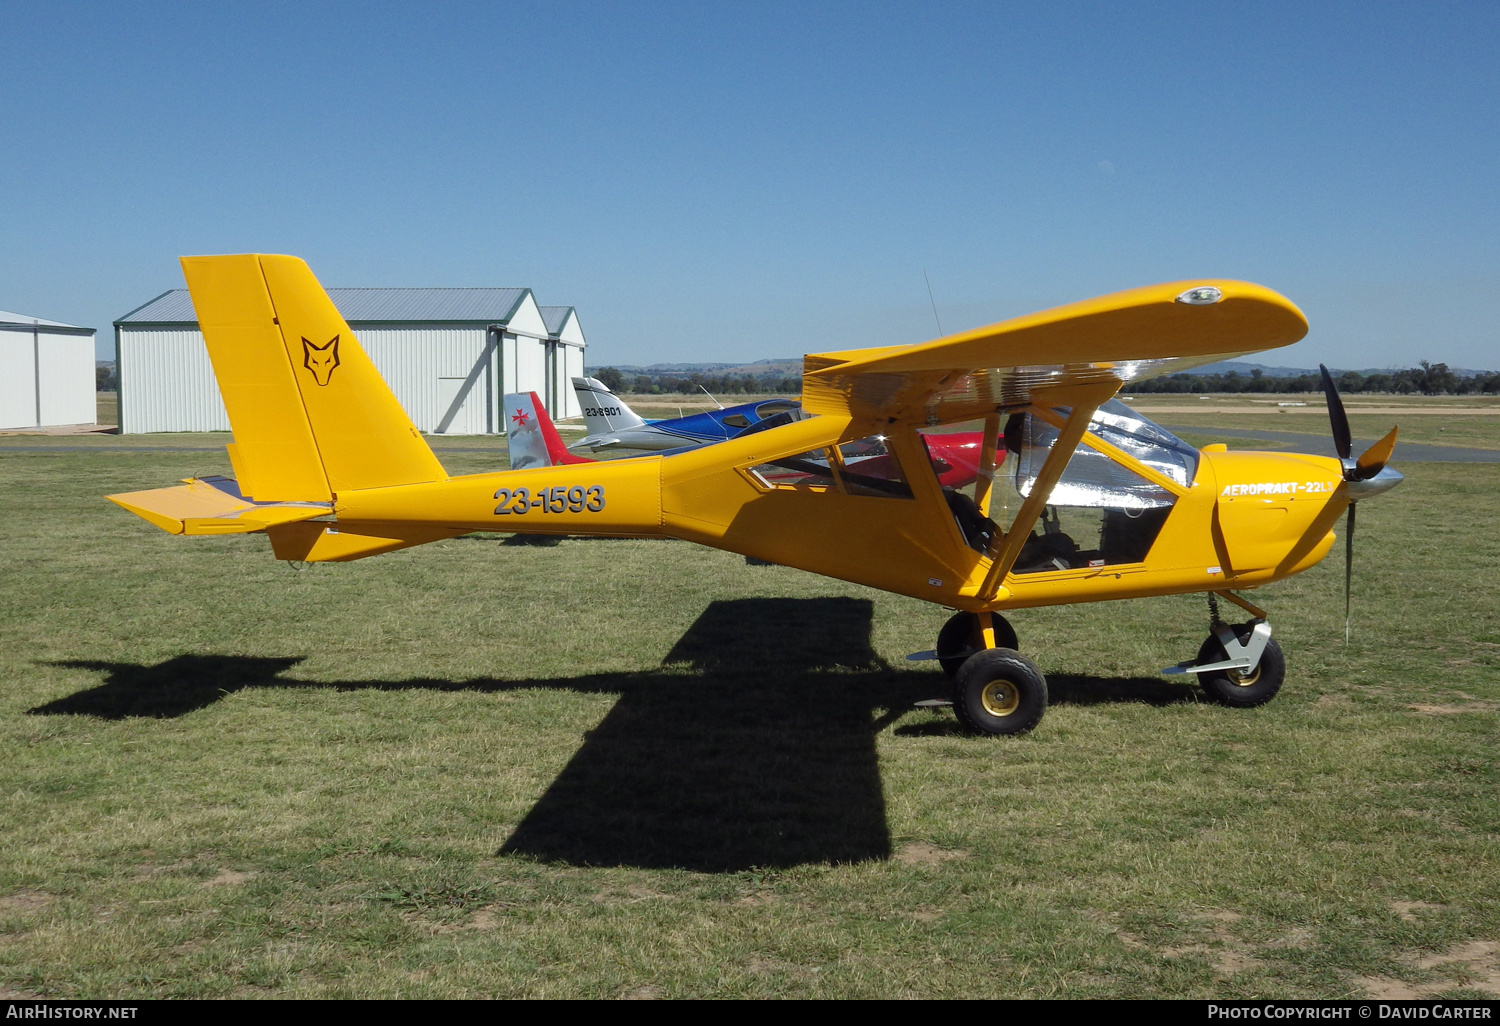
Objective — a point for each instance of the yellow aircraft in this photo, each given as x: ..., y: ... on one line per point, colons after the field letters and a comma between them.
x: 1094, y: 503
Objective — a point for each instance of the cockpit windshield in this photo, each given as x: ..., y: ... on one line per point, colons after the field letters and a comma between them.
x: 1092, y: 479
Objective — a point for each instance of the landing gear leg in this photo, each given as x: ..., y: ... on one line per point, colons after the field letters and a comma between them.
x: 963, y: 635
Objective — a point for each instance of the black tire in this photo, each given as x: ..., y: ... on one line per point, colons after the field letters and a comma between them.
x: 955, y: 641
x: 999, y: 691
x: 1230, y: 687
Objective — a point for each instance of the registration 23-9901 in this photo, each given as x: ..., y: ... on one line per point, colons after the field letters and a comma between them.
x: 557, y: 499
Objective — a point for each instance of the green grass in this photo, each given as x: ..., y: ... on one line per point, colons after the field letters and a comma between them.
x: 1467, y: 420
x: 610, y: 768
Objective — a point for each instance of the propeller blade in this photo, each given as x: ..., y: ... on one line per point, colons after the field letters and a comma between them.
x: 1343, y: 442
x: 1348, y: 568
x: 1374, y: 459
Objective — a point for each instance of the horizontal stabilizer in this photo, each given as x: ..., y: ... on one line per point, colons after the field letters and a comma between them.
x: 213, y: 505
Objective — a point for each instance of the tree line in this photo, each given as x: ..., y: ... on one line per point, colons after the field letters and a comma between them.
x: 717, y: 384
x: 1426, y: 378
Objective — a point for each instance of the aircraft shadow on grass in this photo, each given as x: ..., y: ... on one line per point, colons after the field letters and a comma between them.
x: 754, y: 746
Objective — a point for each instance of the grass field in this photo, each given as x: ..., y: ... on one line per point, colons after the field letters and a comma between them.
x: 643, y: 768
x: 1470, y: 421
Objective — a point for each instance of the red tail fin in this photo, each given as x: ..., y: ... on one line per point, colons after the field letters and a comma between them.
x: 534, y: 441
x: 555, y: 447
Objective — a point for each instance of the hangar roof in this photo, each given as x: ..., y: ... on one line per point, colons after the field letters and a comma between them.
x: 555, y: 317
x: 12, y: 320
x: 368, y: 306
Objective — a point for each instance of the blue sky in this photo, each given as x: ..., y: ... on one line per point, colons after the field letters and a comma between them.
x: 716, y: 181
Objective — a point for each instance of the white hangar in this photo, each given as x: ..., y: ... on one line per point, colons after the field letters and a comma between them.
x: 565, y: 359
x: 46, y: 373
x: 449, y: 355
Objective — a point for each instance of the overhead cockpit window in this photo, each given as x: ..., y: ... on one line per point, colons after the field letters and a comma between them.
x: 778, y: 418
x: 771, y: 407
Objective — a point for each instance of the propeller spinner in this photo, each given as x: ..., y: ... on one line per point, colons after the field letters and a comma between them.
x: 1364, y: 477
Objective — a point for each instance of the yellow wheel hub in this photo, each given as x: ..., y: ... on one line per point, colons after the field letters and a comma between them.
x: 1000, y: 698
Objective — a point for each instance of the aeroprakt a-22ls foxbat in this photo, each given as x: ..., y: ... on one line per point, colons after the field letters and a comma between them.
x: 1096, y: 503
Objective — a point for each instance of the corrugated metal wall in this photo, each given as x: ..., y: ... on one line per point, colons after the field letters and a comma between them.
x: 526, y: 365
x: 167, y: 382
x: 426, y: 367
x: 570, y: 366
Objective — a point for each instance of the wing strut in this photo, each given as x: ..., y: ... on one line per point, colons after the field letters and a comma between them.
x: 1084, y: 399
x: 984, y: 484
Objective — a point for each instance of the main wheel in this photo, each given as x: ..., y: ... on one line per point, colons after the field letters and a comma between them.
x: 1237, y: 687
x: 999, y: 691
x: 955, y: 641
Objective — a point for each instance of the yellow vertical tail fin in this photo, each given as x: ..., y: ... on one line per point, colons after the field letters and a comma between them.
x: 310, y: 413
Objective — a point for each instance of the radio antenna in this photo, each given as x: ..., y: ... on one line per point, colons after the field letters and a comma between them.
x: 932, y: 301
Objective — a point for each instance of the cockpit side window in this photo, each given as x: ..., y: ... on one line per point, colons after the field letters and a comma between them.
x: 805, y: 470
x: 861, y: 467
x: 870, y: 467
x: 1145, y: 440
x: 1100, y: 512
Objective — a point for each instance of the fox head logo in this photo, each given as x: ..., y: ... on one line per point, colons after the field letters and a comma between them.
x: 321, y: 360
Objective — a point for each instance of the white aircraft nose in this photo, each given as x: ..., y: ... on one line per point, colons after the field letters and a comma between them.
x: 1384, y: 481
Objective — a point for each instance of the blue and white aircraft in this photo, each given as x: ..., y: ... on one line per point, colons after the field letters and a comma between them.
x: 615, y: 427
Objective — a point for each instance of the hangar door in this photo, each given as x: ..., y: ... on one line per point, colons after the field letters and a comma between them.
x: 463, y: 410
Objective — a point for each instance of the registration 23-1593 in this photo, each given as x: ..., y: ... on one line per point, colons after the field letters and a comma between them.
x: 557, y: 499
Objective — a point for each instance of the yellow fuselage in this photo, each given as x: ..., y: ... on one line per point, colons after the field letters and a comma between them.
x: 1247, y: 519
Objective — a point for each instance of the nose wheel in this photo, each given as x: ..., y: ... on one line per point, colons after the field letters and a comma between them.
x: 1238, y: 664
x: 1241, y: 686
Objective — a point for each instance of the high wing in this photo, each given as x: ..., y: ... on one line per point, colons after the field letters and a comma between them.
x: 1114, y: 339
